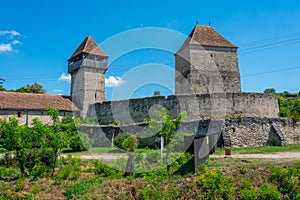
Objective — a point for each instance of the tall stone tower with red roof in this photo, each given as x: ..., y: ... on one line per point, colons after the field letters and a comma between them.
x: 87, y: 67
x: 207, y: 63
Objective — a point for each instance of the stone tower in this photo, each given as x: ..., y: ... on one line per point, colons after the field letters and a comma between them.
x: 87, y: 67
x: 207, y: 63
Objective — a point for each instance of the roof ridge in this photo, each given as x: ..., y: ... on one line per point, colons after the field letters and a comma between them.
x: 28, y: 93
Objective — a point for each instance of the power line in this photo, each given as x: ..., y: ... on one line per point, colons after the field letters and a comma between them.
x: 273, y: 71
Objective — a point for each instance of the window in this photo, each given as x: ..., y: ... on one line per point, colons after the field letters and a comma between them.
x: 19, y: 114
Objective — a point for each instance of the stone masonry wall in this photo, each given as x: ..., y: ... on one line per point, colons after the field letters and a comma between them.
x: 242, y: 132
x: 41, y: 115
x: 257, y: 131
x: 197, y: 107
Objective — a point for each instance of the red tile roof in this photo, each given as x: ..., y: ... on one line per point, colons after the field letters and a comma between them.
x: 29, y: 101
x: 208, y: 36
x: 89, y: 46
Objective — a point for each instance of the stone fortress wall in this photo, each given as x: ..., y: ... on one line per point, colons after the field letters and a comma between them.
x: 242, y: 132
x: 197, y: 106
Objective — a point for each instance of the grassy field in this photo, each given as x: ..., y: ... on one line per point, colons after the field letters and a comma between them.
x: 218, y: 178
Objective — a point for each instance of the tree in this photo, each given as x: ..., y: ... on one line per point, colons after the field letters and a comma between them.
x: 156, y: 93
x: 34, y: 88
x: 270, y: 91
x: 13, y: 138
x: 166, y: 128
x: 56, y: 138
x: 128, y: 143
x: 2, y: 88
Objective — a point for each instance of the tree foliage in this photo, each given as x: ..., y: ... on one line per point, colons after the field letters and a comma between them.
x: 289, y: 107
x: 34, y: 88
x: 129, y: 143
x: 270, y: 91
x: 38, y: 147
x: 166, y: 128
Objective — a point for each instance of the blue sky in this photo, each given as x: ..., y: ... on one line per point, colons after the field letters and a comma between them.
x: 37, y: 37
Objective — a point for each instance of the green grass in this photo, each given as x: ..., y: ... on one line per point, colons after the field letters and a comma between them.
x: 262, y: 149
x: 107, y: 150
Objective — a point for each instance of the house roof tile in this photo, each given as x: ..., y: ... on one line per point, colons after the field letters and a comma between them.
x: 30, y: 101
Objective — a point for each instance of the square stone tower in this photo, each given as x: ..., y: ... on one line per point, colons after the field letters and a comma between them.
x: 87, y: 67
x: 207, y: 63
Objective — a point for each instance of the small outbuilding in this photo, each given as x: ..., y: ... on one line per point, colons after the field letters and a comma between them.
x: 27, y: 106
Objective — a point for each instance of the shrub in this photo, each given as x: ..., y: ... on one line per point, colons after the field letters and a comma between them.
x: 9, y: 173
x: 80, y: 142
x: 248, y: 194
x: 71, y: 170
x: 268, y: 192
x: 104, y: 170
x: 287, y: 180
x: 81, y: 187
x: 40, y: 169
x: 119, y: 139
x: 153, y: 157
x: 216, y: 185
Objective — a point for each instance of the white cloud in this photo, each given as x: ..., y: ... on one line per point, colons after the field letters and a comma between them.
x: 8, y: 46
x: 114, y: 81
x: 65, y: 77
x: 16, y: 42
x: 11, y: 33
x: 58, y: 90
x: 5, y: 48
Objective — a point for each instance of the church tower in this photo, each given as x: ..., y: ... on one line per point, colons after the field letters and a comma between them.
x: 87, y: 67
x: 207, y: 63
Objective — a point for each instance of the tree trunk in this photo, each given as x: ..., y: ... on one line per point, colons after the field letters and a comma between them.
x: 168, y: 159
x: 130, y: 165
x: 54, y: 162
x: 21, y: 163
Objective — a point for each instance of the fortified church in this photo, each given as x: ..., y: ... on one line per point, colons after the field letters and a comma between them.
x: 207, y: 87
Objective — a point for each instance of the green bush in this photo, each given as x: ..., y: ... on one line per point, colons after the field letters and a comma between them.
x: 120, y: 138
x: 104, y: 170
x: 153, y: 157
x: 9, y: 173
x: 288, y: 181
x: 216, y: 185
x: 81, y: 187
x: 80, y: 142
x: 268, y: 192
x: 40, y: 169
x: 71, y: 170
x: 248, y: 194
